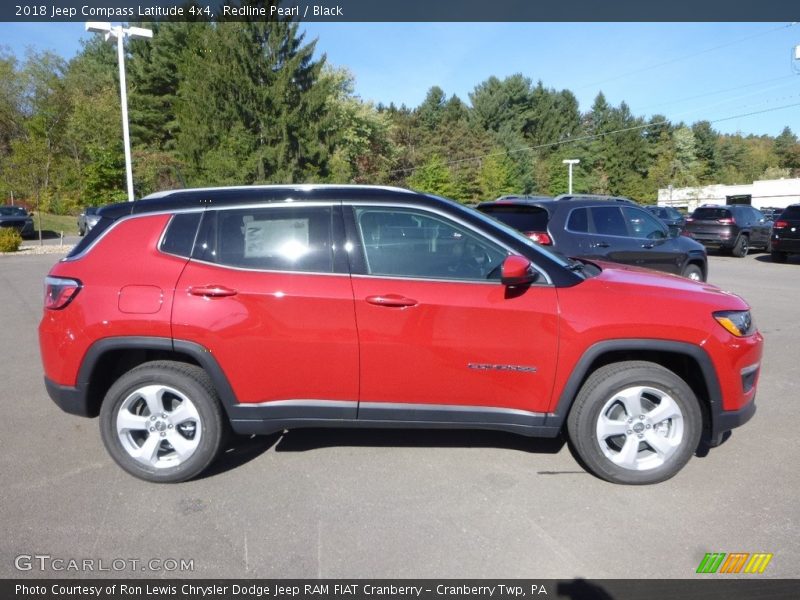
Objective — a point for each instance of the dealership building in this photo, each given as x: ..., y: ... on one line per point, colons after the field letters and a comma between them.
x: 773, y: 193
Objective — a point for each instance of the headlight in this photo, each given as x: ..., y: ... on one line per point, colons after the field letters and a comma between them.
x: 738, y: 322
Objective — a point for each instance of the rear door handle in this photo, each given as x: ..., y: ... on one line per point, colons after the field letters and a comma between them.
x: 212, y: 291
x: 648, y: 245
x: 391, y: 300
x: 599, y: 245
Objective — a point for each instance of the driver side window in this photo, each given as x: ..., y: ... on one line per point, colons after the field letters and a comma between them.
x: 402, y: 242
x: 642, y: 224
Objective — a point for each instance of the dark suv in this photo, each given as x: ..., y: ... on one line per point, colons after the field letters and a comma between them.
x: 259, y: 309
x: 733, y: 228
x: 671, y: 217
x: 602, y: 227
x: 786, y: 234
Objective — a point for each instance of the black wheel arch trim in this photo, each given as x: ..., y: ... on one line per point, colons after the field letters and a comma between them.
x: 720, y: 420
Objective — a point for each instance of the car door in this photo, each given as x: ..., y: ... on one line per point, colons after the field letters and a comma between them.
x: 610, y: 238
x: 268, y: 294
x: 761, y: 228
x: 654, y: 248
x: 438, y: 331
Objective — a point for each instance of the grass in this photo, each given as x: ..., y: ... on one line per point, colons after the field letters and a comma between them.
x: 56, y: 223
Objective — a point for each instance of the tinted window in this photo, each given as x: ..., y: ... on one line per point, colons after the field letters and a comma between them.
x: 608, y: 220
x: 521, y: 218
x: 711, y: 214
x: 179, y: 237
x: 272, y: 238
x: 643, y: 225
x: 791, y: 212
x: 579, y: 220
x: 408, y: 243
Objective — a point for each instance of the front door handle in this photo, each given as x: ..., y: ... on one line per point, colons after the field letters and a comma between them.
x: 648, y: 245
x: 212, y: 291
x: 391, y: 300
x: 599, y: 245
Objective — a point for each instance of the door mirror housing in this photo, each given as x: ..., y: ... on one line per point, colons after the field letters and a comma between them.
x: 516, y: 270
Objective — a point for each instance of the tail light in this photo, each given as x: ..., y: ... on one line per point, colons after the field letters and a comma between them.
x: 59, y: 292
x: 539, y: 237
x: 727, y: 221
x: 780, y: 224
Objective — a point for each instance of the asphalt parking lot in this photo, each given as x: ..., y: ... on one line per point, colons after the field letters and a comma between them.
x: 354, y: 504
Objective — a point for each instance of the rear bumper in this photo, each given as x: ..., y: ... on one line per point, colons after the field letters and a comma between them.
x: 69, y: 399
x: 789, y: 245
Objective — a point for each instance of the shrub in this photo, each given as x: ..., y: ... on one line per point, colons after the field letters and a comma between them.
x: 10, y: 239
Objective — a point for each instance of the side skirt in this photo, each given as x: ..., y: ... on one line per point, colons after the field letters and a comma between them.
x: 276, y: 416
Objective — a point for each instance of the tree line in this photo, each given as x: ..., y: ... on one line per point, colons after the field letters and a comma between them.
x: 249, y: 102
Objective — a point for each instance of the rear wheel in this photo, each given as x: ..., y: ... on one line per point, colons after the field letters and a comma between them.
x: 162, y: 421
x: 741, y: 247
x: 635, y: 422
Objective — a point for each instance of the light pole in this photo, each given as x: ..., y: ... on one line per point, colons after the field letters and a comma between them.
x: 120, y: 33
x: 570, y: 162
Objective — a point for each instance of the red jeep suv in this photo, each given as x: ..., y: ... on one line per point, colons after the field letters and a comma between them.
x: 190, y: 313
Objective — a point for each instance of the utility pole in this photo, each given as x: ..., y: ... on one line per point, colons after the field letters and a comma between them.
x: 570, y: 162
x: 119, y: 34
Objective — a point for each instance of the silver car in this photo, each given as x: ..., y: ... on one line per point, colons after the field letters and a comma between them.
x: 87, y: 219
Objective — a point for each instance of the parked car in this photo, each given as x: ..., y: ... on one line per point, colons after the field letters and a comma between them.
x: 603, y: 227
x: 18, y: 218
x: 87, y: 219
x: 770, y: 212
x: 733, y: 228
x: 671, y: 217
x: 267, y: 308
x: 786, y: 234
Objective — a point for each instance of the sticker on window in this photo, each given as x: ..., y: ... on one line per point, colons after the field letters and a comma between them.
x: 286, y: 238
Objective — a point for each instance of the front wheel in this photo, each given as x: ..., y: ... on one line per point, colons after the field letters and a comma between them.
x: 693, y: 272
x: 635, y: 422
x: 162, y: 421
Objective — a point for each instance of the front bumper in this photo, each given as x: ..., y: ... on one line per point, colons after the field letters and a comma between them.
x: 722, y: 421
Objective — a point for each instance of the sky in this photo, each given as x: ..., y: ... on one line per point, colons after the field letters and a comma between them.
x: 740, y: 76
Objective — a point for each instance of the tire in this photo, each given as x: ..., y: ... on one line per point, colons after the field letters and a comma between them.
x: 651, y: 402
x: 158, y: 411
x: 693, y: 272
x: 779, y: 257
x: 741, y: 247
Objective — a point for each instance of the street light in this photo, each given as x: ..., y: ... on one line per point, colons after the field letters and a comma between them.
x: 119, y: 33
x: 570, y: 162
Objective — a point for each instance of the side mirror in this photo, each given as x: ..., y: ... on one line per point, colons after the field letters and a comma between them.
x: 516, y: 270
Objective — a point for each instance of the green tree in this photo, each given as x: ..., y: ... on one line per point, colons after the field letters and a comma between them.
x: 433, y: 177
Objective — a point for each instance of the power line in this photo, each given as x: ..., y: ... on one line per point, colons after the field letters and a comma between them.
x: 685, y: 56
x: 731, y: 89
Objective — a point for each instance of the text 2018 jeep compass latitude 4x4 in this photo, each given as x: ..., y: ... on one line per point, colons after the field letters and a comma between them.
x: 261, y: 309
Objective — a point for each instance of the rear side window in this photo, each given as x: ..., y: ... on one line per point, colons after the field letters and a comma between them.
x: 608, y: 220
x: 521, y: 218
x: 791, y: 212
x: 180, y: 234
x: 711, y: 214
x: 579, y: 220
x: 269, y: 238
